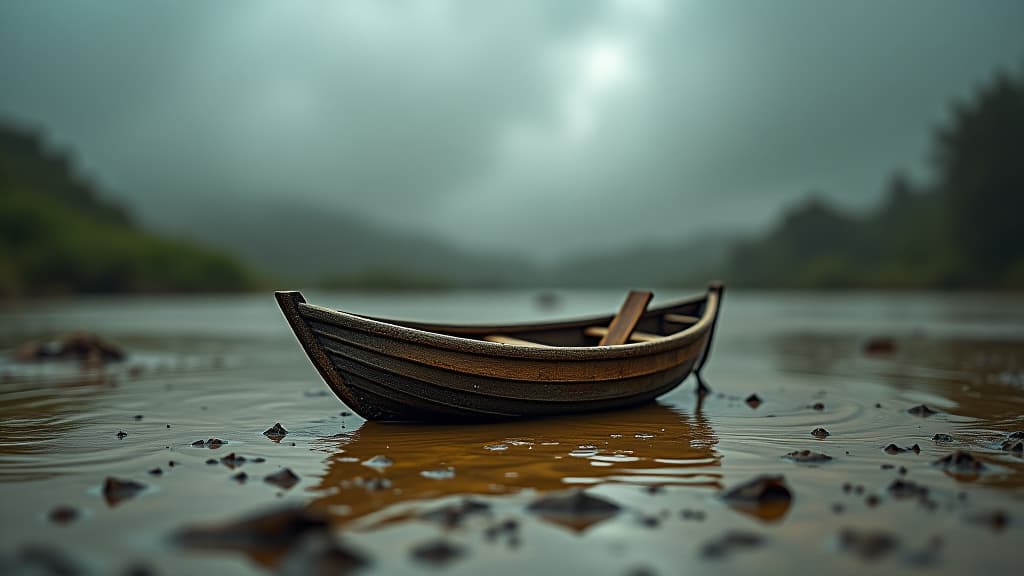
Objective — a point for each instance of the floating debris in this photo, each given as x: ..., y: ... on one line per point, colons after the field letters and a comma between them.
x: 764, y: 497
x: 233, y: 460
x: 121, y: 434
x: 894, y: 449
x: 212, y: 443
x: 907, y: 489
x: 283, y: 478
x: 960, y: 462
x: 241, y: 477
x: 817, y: 406
x: 879, y: 346
x: 379, y: 462
x: 730, y: 542
x: 575, y: 509
x: 940, y: 437
x: 212, y: 461
x: 820, y: 433
x: 807, y: 457
x: 116, y: 490
x: 440, y: 474
x: 155, y: 471
x: 275, y: 432
x: 867, y: 544
x: 436, y: 552
x: 85, y: 347
x: 921, y: 410
x: 63, y: 514
x: 753, y: 401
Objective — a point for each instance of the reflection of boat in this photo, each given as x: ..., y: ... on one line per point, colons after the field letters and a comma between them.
x: 389, y: 370
x: 652, y: 445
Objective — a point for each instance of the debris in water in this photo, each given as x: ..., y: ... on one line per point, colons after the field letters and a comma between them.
x: 436, y: 552
x: 764, y: 497
x: 63, y: 514
x: 575, y: 509
x: 155, y: 471
x: 212, y: 461
x: 753, y: 401
x: 212, y: 443
x: 275, y: 432
x: 894, y: 449
x: 940, y: 437
x: 283, y: 478
x: 241, y: 477
x: 732, y: 541
x: 116, y: 490
x: 807, y: 457
x: 879, y: 346
x: 379, y: 462
x: 960, y: 462
x: 453, y: 515
x: 818, y: 406
x: 867, y: 544
x: 906, y: 489
x: 121, y: 434
x: 921, y: 410
x: 820, y: 433
x: 233, y: 460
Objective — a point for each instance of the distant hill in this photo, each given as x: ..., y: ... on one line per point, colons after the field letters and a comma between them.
x: 961, y: 231
x: 58, y: 235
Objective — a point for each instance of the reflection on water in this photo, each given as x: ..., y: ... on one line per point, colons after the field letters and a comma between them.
x: 229, y: 368
x: 652, y: 446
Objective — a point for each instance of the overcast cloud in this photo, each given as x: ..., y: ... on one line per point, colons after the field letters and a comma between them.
x: 542, y: 127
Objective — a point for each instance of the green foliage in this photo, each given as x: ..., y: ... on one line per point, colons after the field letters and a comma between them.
x: 58, y: 237
x: 963, y: 232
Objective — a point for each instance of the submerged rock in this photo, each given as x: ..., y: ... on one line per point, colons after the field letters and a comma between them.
x: 211, y: 443
x: 921, y: 410
x: 116, y: 490
x: 907, y: 489
x: 894, y: 449
x: 940, y: 437
x: 575, y: 509
x: 753, y: 400
x: 1013, y: 446
x: 730, y: 542
x: 867, y: 544
x: 820, y: 433
x: 960, y: 462
x: 764, y: 497
x: 807, y: 457
x: 85, y: 347
x: 283, y: 478
x: 233, y: 460
x: 438, y: 552
x: 275, y: 432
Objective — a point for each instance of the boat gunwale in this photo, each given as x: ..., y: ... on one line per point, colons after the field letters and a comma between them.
x: 450, y: 342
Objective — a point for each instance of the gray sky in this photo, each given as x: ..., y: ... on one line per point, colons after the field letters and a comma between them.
x: 538, y: 127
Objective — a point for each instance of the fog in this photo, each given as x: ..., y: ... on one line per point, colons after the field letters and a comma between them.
x: 535, y: 128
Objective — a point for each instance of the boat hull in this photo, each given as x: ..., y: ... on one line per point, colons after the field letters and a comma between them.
x: 384, y: 370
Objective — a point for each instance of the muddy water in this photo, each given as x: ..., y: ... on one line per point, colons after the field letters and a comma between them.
x: 228, y: 368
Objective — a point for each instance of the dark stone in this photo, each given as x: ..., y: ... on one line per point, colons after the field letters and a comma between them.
x: 906, y: 489
x: 155, y: 472
x: 233, y: 460
x: 138, y: 417
x: 961, y: 462
x: 241, y: 477
x: 275, y: 432
x: 893, y: 449
x: 212, y: 443
x: 436, y: 552
x: 283, y: 478
x: 730, y: 542
x: 867, y: 544
x: 212, y: 461
x: 575, y: 509
x: 765, y: 497
x: 921, y: 410
x: 807, y: 457
x: 940, y: 437
x: 820, y: 433
x: 63, y: 514
x: 818, y: 406
x: 121, y: 434
x: 753, y: 401
x: 116, y: 490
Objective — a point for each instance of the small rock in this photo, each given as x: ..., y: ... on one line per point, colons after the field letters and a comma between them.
x: 283, y: 478
x: 212, y: 443
x: 121, y: 434
x: 818, y: 406
x: 275, y: 432
x: 753, y: 401
x: 116, y: 490
x: 807, y: 457
x: 241, y: 477
x: 233, y: 460
x: 436, y: 552
x: 940, y: 437
x: 906, y: 489
x: 765, y: 497
x: 893, y: 449
x: 453, y: 515
x: 63, y: 514
x: 872, y: 500
x: 155, y: 472
x: 730, y: 542
x: 212, y: 461
x: 575, y: 509
x: 960, y: 461
x: 867, y: 544
x: 921, y: 410
x: 820, y: 433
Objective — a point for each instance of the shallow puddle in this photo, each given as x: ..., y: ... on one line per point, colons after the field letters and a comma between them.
x: 637, y: 491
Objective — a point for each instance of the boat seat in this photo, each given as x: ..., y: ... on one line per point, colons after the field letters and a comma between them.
x: 681, y: 319
x: 601, y: 332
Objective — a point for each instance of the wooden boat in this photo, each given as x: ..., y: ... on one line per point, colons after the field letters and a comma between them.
x: 395, y: 370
